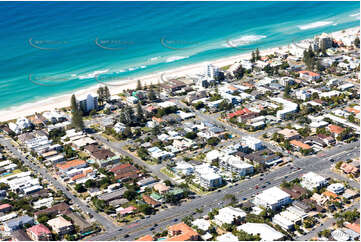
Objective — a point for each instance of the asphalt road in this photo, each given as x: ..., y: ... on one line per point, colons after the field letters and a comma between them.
x: 244, y: 190
x: 108, y: 225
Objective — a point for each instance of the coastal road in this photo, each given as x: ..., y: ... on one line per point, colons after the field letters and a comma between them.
x: 242, y: 191
x: 108, y: 225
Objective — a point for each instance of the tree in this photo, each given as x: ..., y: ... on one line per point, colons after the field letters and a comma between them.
x: 239, y: 72
x: 106, y: 93
x: 130, y: 195
x: 258, y: 57
x: 357, y: 42
x: 77, y: 116
x: 146, y: 209
x: 140, y: 113
x: 139, y: 85
x: 167, y: 183
x: 213, y: 141
x: 287, y: 91
x: 90, y: 183
x: 80, y: 188
x: 253, y: 58
x: 101, y: 96
x: 152, y: 95
x: 191, y: 135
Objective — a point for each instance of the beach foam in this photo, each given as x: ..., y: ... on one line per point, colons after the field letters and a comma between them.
x: 315, y: 25
x: 244, y: 40
x: 92, y: 74
x: 175, y: 58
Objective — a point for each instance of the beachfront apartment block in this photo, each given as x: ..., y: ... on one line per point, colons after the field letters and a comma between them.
x: 273, y: 198
x: 20, y: 124
x: 312, y: 180
x: 88, y: 103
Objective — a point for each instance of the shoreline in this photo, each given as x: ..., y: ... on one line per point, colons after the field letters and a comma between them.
x: 115, y: 87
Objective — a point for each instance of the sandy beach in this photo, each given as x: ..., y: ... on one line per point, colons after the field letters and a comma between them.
x: 116, y: 87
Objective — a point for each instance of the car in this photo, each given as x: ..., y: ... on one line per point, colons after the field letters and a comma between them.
x: 298, y: 168
x: 268, y: 183
x: 151, y: 229
x: 126, y: 235
x: 261, y: 179
x: 244, y: 199
x: 263, y: 186
x: 262, y: 174
x: 332, y: 160
x: 256, y: 187
x: 120, y: 229
x: 291, y: 167
x: 155, y: 225
x: 175, y: 220
x: 286, y: 176
x: 219, y: 191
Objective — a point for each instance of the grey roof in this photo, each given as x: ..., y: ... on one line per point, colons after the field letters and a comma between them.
x: 112, y: 195
x: 19, y: 221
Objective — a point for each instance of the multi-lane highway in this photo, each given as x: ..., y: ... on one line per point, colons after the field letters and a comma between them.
x: 244, y: 190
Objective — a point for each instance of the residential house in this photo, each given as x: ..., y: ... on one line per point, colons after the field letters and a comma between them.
x: 289, y: 134
x: 60, y: 225
x: 39, y: 232
x: 125, y: 172
x: 181, y: 232
x: 17, y: 223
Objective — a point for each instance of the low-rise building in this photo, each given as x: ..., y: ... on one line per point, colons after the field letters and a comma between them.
x: 39, y: 232
x: 266, y: 232
x: 312, y: 180
x: 229, y: 215
x: 336, y: 188
x: 181, y: 232
x: 60, y: 225
x: 273, y: 198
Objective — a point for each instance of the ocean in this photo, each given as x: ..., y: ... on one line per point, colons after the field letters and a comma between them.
x: 52, y: 48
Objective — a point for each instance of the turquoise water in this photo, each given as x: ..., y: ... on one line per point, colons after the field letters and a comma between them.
x: 50, y: 48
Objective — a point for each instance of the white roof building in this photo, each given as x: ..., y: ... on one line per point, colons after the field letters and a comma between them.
x: 288, y: 107
x: 312, y: 180
x: 227, y: 237
x: 227, y: 215
x: 266, y: 232
x: 201, y: 224
x: 184, y: 168
x: 272, y: 198
x: 253, y: 143
x: 337, y: 188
